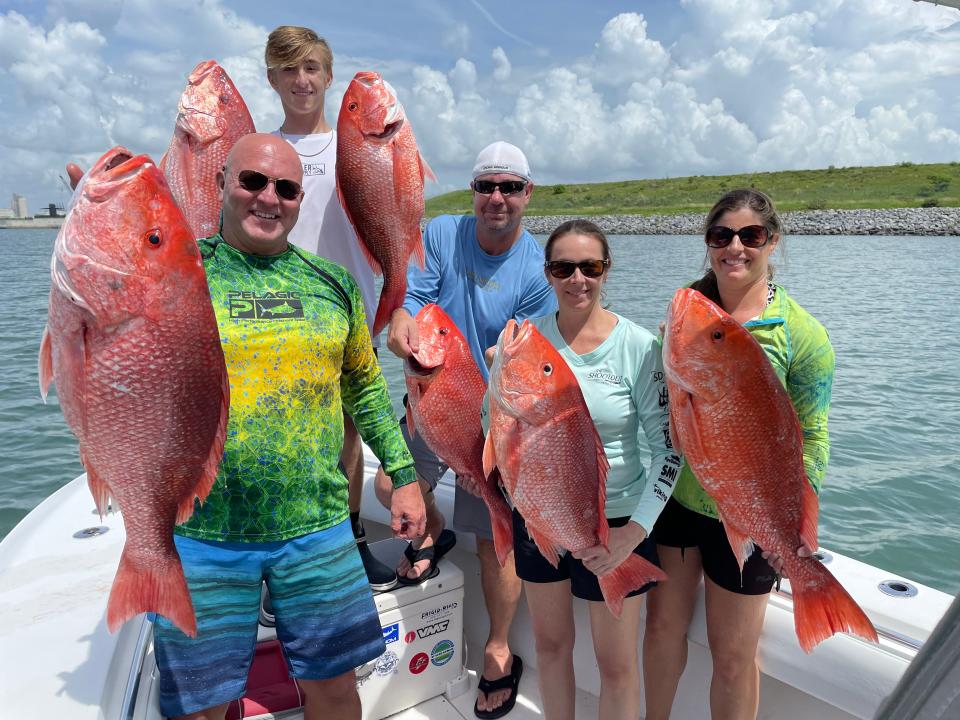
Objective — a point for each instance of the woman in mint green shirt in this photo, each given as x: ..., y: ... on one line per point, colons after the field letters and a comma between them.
x: 618, y: 366
x: 742, y: 230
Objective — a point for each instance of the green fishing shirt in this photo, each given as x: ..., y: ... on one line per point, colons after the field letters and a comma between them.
x: 298, y: 352
x: 801, y: 354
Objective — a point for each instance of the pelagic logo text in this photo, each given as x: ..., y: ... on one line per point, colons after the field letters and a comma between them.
x: 433, y: 629
x: 245, y: 305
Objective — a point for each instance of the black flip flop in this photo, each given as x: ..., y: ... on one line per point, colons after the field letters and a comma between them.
x: 444, y: 544
x: 509, y: 682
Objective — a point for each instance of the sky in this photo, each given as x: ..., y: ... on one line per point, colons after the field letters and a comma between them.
x: 591, y: 91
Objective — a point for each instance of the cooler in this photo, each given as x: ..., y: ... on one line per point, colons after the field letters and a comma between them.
x: 423, y: 630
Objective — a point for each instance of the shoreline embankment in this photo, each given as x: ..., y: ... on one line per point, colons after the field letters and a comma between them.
x: 897, y: 221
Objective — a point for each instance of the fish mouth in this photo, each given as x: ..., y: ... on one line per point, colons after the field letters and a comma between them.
x: 114, y: 169
x: 201, y: 71
x: 412, y: 366
x: 389, y: 131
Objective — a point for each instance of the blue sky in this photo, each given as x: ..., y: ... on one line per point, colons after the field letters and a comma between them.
x: 590, y: 90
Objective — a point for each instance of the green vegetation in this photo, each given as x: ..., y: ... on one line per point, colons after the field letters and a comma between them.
x: 893, y: 186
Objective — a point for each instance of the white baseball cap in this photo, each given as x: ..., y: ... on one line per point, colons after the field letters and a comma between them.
x: 502, y: 157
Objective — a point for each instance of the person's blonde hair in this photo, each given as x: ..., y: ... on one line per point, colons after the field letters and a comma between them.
x: 289, y: 44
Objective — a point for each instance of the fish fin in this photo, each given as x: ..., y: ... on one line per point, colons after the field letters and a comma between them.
x: 501, y: 518
x: 151, y: 585
x: 631, y: 574
x: 45, y: 363
x: 822, y: 608
x: 391, y: 298
x: 208, y: 475
x: 683, y: 425
x: 603, y: 465
x: 489, y: 455
x: 419, y: 253
x: 809, y: 516
x: 547, y: 547
x: 98, y: 487
x: 425, y: 170
x: 740, y: 543
x: 371, y: 260
x: 411, y: 426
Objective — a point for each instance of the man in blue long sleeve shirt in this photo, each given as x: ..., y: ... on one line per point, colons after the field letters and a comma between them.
x: 482, y: 270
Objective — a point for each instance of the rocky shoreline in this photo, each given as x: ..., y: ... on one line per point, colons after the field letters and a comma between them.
x: 899, y: 221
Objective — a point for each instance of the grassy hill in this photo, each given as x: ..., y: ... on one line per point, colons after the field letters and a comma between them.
x: 893, y: 186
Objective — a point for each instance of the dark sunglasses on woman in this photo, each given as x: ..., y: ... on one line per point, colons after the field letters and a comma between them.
x: 253, y: 181
x: 751, y: 236
x: 562, y: 269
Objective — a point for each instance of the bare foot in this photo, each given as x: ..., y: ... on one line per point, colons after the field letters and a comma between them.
x: 497, y: 663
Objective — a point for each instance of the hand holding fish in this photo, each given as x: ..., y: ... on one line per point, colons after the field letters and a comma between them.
x: 403, y: 339
x: 601, y: 560
x: 75, y: 173
x: 408, y: 517
x: 776, y: 560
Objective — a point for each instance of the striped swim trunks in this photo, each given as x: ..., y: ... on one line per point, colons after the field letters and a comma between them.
x: 326, y: 618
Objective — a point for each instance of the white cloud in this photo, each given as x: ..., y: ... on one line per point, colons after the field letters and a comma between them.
x: 501, y: 64
x: 725, y: 86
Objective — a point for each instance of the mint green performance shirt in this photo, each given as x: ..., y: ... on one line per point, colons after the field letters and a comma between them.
x: 298, y: 353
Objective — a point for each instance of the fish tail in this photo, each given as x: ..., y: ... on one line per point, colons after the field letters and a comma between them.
x: 501, y: 518
x: 391, y: 297
x: 631, y: 574
x: 822, y: 608
x: 151, y: 585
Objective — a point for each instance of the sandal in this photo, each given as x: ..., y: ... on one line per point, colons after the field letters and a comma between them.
x: 509, y: 682
x: 444, y: 544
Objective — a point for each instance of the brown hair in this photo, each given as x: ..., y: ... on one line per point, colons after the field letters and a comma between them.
x: 744, y: 198
x: 289, y: 44
x: 577, y: 227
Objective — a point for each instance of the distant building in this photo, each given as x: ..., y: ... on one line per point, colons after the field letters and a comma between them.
x: 20, y: 206
x: 6, y: 213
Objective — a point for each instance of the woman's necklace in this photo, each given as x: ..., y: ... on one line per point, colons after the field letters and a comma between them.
x: 311, y: 154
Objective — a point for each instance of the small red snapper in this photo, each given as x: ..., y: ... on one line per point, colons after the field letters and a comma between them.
x: 132, y: 345
x: 212, y: 117
x: 444, y: 398
x: 380, y: 183
x: 551, y: 458
x: 733, y: 420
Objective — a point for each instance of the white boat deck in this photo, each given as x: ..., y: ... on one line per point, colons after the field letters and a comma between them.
x: 58, y: 660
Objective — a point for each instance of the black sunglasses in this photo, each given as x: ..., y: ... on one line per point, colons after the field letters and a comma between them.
x: 563, y: 269
x: 751, y: 236
x: 507, y: 187
x: 253, y: 181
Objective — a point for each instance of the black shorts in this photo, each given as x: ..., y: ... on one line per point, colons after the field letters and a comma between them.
x: 533, y: 567
x: 681, y: 527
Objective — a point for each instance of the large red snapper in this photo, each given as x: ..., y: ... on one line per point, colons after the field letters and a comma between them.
x: 444, y: 399
x: 380, y: 182
x: 132, y: 345
x: 551, y: 458
x: 733, y: 420
x: 212, y: 117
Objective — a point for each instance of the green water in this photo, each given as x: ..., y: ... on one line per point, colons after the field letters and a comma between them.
x: 893, y: 485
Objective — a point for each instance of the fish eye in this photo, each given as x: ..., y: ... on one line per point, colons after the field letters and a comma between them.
x: 547, y: 369
x: 717, y: 335
x: 352, y: 107
x: 153, y: 237
x: 443, y: 331
x: 224, y: 99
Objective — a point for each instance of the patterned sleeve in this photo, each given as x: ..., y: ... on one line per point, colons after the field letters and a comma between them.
x: 650, y: 399
x: 810, y: 385
x: 367, y: 400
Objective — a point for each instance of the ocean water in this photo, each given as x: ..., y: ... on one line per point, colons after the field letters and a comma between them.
x: 893, y: 484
